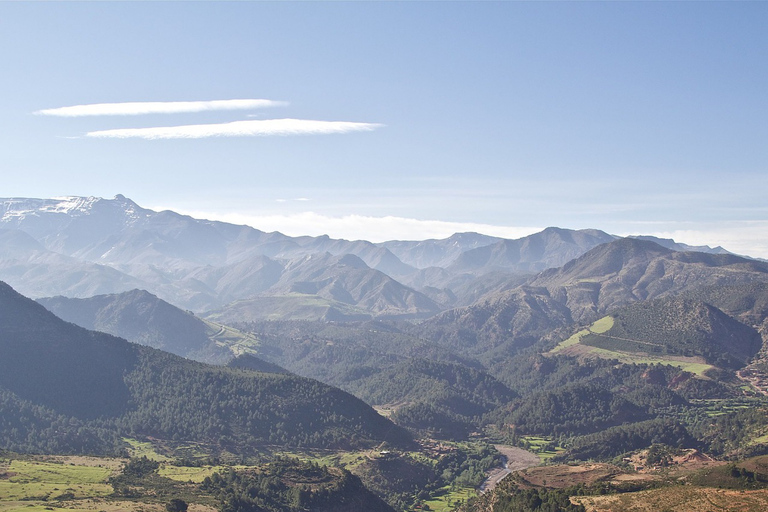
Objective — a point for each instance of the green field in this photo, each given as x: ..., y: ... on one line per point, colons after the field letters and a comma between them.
x: 694, y: 367
x: 144, y: 449
x: 33, y: 480
x: 22, y: 506
x: 605, y: 324
x: 448, y: 500
x: 538, y: 446
x: 600, y: 326
x: 574, y: 346
x: 187, y: 474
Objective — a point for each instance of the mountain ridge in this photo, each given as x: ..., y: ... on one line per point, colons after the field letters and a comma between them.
x: 84, y: 246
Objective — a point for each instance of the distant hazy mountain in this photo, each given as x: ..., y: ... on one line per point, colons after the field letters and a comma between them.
x: 550, y: 248
x: 323, y: 286
x: 349, y: 280
x: 37, y: 271
x: 118, y: 231
x: 437, y: 253
x: 142, y: 318
x: 195, y: 264
x: 245, y: 278
x: 677, y: 246
x: 375, y: 256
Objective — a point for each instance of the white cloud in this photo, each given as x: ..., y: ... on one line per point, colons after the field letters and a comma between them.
x: 740, y: 237
x: 156, y: 107
x: 238, y: 129
x: 361, y: 227
x: 746, y: 237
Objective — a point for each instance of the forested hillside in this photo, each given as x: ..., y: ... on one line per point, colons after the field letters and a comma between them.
x: 51, y: 370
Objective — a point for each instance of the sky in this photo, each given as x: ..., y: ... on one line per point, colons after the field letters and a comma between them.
x: 398, y: 120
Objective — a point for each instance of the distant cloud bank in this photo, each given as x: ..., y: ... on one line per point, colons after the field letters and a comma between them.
x: 360, y: 227
x: 256, y: 128
x: 745, y: 237
x: 157, y: 107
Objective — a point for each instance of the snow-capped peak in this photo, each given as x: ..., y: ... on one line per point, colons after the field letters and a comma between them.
x: 73, y: 206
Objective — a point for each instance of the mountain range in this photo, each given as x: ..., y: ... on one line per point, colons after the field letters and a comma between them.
x: 86, y: 246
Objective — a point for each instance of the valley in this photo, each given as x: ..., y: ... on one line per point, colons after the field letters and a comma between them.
x: 150, y: 356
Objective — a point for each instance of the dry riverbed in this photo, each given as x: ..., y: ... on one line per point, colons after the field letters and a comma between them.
x: 516, y: 459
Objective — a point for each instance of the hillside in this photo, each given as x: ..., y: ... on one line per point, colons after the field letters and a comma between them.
x: 679, y: 327
x: 605, y: 278
x: 440, y: 398
x: 140, y: 317
x: 629, y: 270
x: 746, y: 302
x: 107, y: 385
x: 503, y: 323
x: 286, y: 485
x: 386, y: 367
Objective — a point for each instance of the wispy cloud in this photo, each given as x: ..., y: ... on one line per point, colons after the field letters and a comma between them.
x: 259, y: 128
x: 157, y: 107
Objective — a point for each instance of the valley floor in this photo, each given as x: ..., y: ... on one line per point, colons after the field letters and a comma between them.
x: 516, y: 459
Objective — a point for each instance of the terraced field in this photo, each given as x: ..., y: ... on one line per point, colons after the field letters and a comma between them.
x: 678, y: 499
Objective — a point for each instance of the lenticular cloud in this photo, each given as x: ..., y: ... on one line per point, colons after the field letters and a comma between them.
x: 259, y: 128
x: 156, y: 107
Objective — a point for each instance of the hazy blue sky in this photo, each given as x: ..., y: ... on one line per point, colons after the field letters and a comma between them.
x: 507, y: 117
